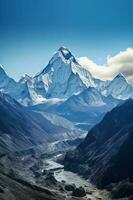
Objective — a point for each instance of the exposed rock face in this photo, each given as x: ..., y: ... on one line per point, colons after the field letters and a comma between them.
x: 105, y: 156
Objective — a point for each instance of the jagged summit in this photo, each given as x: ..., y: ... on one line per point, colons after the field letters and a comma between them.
x: 64, y: 49
x: 66, y: 53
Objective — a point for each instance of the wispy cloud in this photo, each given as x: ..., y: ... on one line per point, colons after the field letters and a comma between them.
x: 120, y: 63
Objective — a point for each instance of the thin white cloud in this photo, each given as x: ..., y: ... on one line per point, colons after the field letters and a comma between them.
x: 120, y: 63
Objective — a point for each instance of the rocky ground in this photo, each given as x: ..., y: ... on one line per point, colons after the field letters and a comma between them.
x: 29, y: 177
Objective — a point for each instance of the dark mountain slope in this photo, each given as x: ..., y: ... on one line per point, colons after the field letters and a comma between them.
x: 21, y: 128
x: 106, y: 154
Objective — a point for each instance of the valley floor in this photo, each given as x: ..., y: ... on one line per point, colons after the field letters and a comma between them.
x: 30, y: 178
x: 70, y: 178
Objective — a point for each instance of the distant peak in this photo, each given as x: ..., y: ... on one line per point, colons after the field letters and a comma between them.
x: 120, y: 77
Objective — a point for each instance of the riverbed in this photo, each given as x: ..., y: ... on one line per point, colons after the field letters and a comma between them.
x: 71, y: 178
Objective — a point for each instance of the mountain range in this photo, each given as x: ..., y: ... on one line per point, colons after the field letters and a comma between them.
x: 62, y: 78
x: 67, y: 90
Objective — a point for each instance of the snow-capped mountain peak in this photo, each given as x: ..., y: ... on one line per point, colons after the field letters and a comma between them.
x: 119, y: 88
x: 58, y: 80
x: 119, y: 79
x: 62, y: 77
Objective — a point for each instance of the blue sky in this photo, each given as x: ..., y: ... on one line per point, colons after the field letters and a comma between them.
x: 32, y: 30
